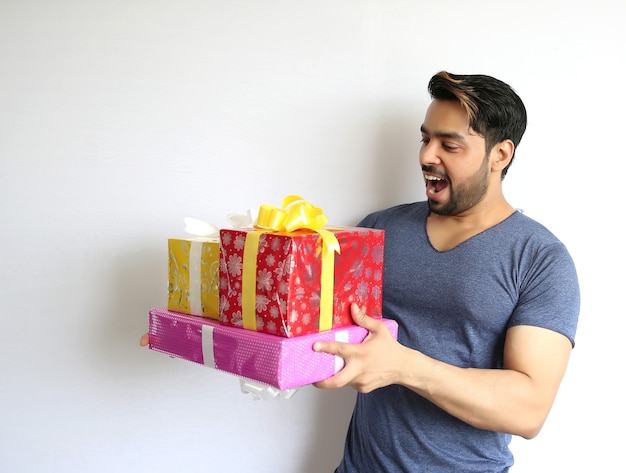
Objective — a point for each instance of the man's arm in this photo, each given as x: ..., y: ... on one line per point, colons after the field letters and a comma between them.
x: 515, y: 399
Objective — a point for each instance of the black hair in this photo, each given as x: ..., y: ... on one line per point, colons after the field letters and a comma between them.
x: 494, y: 109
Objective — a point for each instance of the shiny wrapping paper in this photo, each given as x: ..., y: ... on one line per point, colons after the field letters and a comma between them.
x: 287, y: 286
x: 193, y: 275
x: 283, y: 363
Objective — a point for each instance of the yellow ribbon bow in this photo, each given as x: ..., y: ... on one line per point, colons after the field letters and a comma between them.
x: 295, y: 214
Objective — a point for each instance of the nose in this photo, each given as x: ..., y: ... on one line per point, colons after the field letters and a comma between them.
x: 428, y: 154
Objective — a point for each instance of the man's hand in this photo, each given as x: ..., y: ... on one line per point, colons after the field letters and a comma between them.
x: 144, y: 340
x: 372, y: 364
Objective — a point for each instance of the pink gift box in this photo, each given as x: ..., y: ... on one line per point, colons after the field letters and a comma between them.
x: 283, y: 363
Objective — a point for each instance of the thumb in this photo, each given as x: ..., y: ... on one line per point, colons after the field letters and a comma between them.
x: 145, y: 340
x: 362, y: 319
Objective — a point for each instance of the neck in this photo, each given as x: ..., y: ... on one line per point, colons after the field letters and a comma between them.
x: 491, y: 210
x: 446, y: 232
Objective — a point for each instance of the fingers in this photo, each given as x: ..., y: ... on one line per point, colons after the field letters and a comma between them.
x: 341, y: 350
x: 363, y: 320
x: 144, y: 340
x: 373, y: 326
x: 334, y: 382
x: 334, y: 348
x: 363, y: 369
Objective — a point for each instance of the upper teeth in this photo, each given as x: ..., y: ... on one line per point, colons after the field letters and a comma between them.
x: 433, y: 178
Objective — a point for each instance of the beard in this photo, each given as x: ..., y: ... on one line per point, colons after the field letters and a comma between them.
x: 465, y: 195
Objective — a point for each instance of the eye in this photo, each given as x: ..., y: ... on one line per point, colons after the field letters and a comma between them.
x: 425, y: 140
x: 450, y: 146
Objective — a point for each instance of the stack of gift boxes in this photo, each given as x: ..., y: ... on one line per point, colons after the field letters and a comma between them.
x: 253, y: 301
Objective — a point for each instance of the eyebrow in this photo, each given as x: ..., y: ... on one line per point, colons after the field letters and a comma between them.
x: 443, y: 134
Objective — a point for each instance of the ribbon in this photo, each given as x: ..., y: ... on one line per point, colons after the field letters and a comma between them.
x: 295, y: 214
x: 208, y: 353
x: 264, y: 392
x: 242, y: 221
x: 203, y: 232
x: 341, y: 336
x: 256, y: 388
x: 206, y: 232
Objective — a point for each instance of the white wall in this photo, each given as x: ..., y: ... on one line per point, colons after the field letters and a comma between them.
x: 119, y: 118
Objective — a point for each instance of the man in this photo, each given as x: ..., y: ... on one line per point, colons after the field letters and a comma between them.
x: 486, y: 300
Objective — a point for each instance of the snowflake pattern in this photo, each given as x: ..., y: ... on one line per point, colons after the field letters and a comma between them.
x: 240, y: 241
x: 264, y: 280
x: 288, y: 269
x: 235, y: 265
x: 261, y: 303
x: 274, y: 312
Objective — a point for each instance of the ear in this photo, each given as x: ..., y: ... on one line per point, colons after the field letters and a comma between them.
x: 501, y: 155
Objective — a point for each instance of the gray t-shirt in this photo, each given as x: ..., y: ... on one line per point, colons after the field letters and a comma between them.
x: 456, y: 306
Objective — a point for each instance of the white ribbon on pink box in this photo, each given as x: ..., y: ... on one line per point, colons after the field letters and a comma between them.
x: 257, y: 389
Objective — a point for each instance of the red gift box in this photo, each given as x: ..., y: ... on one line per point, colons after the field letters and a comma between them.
x: 286, y: 289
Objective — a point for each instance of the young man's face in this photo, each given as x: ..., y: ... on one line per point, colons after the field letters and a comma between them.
x: 453, y: 159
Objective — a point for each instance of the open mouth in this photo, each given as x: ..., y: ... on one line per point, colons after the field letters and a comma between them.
x: 434, y: 184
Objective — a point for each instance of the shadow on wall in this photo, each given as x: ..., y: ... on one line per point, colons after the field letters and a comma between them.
x: 398, y: 174
x: 398, y: 179
x: 328, y: 432
x: 138, y: 282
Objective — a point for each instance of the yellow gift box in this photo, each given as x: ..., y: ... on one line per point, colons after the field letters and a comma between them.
x: 193, y: 276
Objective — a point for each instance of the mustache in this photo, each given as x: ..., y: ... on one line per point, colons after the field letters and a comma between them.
x: 433, y: 170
